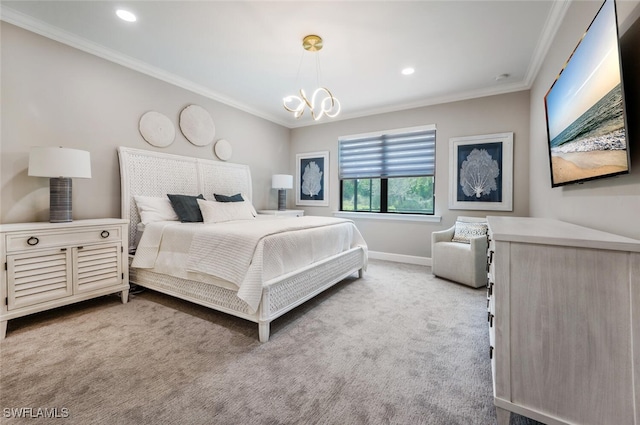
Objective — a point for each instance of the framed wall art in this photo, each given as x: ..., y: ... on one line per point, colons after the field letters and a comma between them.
x: 312, y: 179
x: 481, y: 172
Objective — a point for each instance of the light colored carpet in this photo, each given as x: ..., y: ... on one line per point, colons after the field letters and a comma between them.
x: 396, y: 347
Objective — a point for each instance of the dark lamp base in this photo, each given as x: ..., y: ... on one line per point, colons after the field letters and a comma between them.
x: 60, y: 200
x: 282, y: 199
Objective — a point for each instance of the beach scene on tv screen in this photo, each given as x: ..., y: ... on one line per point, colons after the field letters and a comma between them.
x: 585, y: 115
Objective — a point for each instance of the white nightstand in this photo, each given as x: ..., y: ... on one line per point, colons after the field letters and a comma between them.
x: 49, y: 265
x: 285, y: 213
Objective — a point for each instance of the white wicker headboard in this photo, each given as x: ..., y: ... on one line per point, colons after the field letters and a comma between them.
x: 150, y: 173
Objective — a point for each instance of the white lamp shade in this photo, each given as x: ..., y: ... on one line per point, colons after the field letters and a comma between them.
x: 281, y: 181
x: 59, y: 162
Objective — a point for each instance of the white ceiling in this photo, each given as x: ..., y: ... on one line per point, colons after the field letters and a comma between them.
x: 247, y: 53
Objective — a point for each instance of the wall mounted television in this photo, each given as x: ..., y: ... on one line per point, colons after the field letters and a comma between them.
x: 585, y: 112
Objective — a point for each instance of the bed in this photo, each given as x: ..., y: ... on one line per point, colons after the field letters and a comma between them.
x: 260, y: 289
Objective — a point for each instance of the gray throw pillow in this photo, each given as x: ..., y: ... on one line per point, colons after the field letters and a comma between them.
x: 186, y: 207
x: 224, y: 198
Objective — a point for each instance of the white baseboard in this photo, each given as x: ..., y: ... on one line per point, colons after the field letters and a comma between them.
x: 400, y: 258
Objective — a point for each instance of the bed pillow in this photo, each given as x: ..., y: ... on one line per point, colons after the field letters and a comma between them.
x: 224, y: 198
x: 238, y: 197
x: 186, y: 207
x: 218, y: 212
x: 464, y: 231
x: 155, y: 209
x: 249, y: 205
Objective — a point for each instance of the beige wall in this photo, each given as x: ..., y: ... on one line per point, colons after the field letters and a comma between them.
x: 611, y: 204
x: 494, y: 114
x: 55, y: 95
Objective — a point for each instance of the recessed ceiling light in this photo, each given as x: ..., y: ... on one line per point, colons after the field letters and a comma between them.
x: 125, y: 15
x: 408, y: 71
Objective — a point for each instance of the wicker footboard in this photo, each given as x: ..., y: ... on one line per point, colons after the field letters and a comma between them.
x: 205, y: 294
x: 281, y: 294
x: 278, y: 296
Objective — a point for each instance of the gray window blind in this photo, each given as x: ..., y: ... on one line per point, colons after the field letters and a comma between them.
x: 402, y: 153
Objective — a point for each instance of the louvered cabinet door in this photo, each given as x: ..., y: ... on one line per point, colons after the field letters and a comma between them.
x: 37, y: 277
x: 96, y: 266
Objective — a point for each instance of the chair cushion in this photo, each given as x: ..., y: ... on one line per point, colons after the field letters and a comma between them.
x: 464, y: 231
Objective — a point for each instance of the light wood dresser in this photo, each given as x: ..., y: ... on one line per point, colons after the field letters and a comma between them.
x: 47, y: 265
x: 564, y: 321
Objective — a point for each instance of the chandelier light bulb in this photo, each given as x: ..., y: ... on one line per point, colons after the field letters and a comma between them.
x: 294, y: 104
x: 329, y: 106
x: 322, y: 103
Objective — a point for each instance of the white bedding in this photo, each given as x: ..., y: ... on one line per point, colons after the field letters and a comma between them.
x: 242, y: 255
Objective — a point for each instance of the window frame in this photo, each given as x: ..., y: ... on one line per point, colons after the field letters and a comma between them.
x: 384, y: 194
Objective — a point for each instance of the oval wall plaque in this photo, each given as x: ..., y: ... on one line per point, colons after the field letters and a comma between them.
x: 157, y: 129
x: 197, y: 125
x: 223, y: 149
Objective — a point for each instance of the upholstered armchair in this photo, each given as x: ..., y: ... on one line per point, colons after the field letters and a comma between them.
x: 460, y: 252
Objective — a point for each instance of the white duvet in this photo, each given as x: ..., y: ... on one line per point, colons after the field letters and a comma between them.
x: 242, y: 255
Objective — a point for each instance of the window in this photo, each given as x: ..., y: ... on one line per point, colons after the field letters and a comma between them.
x: 389, y: 172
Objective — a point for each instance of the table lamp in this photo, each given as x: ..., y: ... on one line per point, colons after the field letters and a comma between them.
x: 282, y: 182
x: 61, y: 165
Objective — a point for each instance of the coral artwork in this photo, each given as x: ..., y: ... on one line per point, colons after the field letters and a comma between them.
x: 481, y: 172
x: 311, y: 179
x: 478, y: 173
x: 312, y: 172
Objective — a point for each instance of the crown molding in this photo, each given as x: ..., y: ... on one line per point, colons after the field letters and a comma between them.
x: 552, y: 24
x: 431, y: 101
x: 551, y: 27
x: 36, y: 26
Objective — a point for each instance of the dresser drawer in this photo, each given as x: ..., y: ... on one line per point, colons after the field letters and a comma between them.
x: 25, y: 241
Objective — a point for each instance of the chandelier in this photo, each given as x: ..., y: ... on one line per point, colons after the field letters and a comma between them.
x: 322, y: 102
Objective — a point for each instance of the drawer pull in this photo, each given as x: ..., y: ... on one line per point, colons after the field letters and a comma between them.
x: 32, y: 241
x: 104, y: 234
x: 490, y: 352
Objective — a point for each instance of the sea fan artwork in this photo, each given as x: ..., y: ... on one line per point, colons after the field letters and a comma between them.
x: 312, y: 179
x: 478, y: 173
